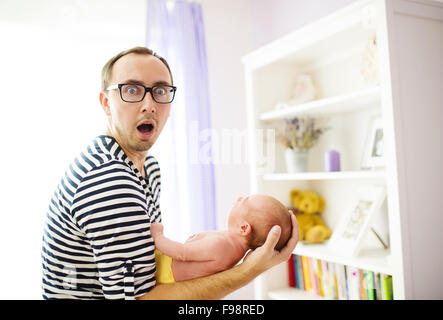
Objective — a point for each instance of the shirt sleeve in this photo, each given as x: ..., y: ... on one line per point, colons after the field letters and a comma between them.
x: 153, y: 178
x: 110, y: 207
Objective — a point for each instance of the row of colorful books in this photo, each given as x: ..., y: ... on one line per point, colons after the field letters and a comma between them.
x: 336, y: 281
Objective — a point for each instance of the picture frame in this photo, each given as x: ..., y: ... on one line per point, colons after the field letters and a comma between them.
x: 352, y: 226
x: 373, y: 153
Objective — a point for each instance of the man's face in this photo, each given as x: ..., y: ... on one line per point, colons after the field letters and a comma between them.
x: 125, y: 119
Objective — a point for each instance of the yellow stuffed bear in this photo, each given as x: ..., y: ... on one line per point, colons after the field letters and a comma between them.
x: 308, y: 205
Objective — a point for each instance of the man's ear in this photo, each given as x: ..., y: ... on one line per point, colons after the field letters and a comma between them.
x: 245, y: 228
x: 104, y: 102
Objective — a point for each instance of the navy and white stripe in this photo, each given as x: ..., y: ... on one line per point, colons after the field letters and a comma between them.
x: 97, y: 242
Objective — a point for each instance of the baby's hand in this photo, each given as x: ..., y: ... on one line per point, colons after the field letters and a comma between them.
x: 156, y: 229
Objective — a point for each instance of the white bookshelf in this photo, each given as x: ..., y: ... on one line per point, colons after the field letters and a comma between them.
x: 407, y: 97
x: 374, y: 259
x: 339, y: 175
x: 348, y: 102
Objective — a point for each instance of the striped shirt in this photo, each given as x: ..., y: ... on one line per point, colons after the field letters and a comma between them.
x: 96, y: 241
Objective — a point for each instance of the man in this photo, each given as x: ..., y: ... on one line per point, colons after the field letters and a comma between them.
x: 97, y: 241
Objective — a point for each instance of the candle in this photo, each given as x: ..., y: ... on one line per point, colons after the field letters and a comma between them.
x: 332, y: 160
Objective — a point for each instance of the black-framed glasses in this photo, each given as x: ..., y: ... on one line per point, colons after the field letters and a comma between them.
x: 161, y: 93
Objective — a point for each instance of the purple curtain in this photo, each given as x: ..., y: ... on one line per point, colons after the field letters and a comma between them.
x: 175, y: 30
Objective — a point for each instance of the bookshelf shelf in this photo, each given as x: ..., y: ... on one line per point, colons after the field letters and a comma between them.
x: 373, y: 259
x: 349, y: 102
x: 333, y: 52
x: 342, y: 175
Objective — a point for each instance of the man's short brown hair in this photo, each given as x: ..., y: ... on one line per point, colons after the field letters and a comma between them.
x: 107, y: 68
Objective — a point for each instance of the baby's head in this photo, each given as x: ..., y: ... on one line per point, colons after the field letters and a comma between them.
x: 255, y: 215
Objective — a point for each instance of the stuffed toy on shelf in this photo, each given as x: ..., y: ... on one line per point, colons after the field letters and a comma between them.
x: 307, y: 205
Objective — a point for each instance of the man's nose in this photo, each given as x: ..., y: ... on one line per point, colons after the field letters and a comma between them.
x: 148, y: 104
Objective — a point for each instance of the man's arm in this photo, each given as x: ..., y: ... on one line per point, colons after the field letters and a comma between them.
x: 219, y: 285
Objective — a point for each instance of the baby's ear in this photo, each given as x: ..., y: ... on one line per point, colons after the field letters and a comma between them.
x: 245, y: 228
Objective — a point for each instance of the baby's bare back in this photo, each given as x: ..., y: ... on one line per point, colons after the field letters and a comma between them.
x: 219, y: 247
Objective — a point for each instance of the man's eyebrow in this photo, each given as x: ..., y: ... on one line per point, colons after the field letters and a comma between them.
x: 133, y: 81
x: 162, y: 82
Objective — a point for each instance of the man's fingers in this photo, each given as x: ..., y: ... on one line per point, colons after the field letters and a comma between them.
x: 272, y: 239
x: 290, y: 245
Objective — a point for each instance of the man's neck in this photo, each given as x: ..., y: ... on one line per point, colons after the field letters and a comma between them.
x: 137, y: 157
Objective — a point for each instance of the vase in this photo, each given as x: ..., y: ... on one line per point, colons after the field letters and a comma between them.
x: 296, y: 160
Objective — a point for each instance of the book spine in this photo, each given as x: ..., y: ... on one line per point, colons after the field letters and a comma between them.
x: 325, y: 278
x: 369, y: 275
x: 294, y: 270
x: 341, y: 281
x: 377, y: 284
x: 332, y: 281
x: 320, y: 277
x: 353, y: 283
x: 296, y: 275
x: 291, y: 274
x: 387, y: 287
x: 334, y: 273
x: 313, y: 276
x: 390, y: 288
x: 306, y: 279
x: 346, y: 282
x: 300, y: 273
x: 363, y: 293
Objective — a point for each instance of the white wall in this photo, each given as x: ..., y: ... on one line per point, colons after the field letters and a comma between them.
x: 273, y: 19
x: 51, y: 59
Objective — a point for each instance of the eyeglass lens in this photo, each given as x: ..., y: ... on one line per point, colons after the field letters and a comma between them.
x: 135, y: 93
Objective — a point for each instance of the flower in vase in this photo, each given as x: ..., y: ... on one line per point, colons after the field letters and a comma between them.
x: 300, y: 133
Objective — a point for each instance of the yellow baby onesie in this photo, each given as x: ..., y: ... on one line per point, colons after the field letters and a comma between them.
x: 163, y: 264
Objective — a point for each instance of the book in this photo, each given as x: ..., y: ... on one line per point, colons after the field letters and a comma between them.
x: 332, y: 281
x: 363, y: 292
x: 296, y: 276
x: 353, y: 283
x: 369, y: 277
x: 313, y: 276
x: 334, y: 275
x: 325, y: 279
x: 387, y: 287
x: 306, y: 277
x: 291, y: 272
x: 320, y: 277
x: 299, y: 273
x: 341, y: 281
x: 377, y: 282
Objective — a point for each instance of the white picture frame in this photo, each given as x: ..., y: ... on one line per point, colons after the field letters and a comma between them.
x: 347, y: 236
x: 373, y: 153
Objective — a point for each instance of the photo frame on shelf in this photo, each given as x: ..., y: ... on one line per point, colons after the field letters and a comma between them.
x: 364, y: 205
x: 373, y: 154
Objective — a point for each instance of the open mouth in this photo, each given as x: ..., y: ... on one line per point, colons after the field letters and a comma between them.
x: 146, y: 128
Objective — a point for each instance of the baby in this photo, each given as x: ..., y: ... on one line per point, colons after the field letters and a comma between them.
x: 205, y: 253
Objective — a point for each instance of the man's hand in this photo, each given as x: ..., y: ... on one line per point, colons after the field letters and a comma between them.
x: 265, y: 257
x: 156, y: 229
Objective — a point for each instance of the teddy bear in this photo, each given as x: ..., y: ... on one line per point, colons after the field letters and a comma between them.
x: 307, y: 205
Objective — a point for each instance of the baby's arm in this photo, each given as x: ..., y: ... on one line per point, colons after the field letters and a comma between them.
x: 197, y: 250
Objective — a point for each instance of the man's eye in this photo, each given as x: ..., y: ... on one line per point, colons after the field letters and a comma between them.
x: 160, y: 91
x: 132, y: 90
